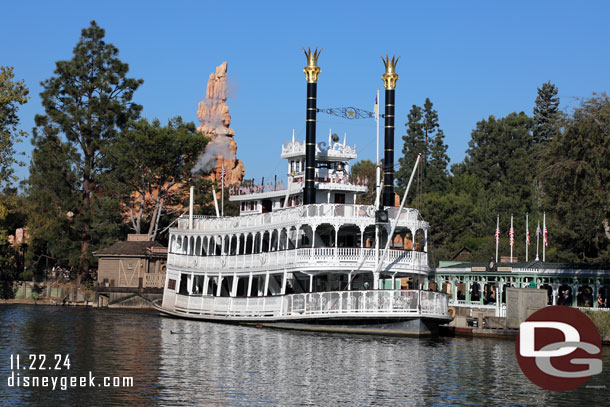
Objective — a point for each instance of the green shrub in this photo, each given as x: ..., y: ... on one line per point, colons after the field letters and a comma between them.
x: 601, y: 319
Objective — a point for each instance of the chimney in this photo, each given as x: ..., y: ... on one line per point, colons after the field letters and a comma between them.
x: 389, y: 82
x: 311, y: 75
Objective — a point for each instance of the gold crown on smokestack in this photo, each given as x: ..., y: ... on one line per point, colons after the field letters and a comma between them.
x: 390, y: 76
x: 312, y: 70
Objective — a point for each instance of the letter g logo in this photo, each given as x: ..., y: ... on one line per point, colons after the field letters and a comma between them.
x: 559, y: 348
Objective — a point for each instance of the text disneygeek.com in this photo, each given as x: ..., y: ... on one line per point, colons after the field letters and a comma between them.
x: 68, y: 382
x: 41, y: 362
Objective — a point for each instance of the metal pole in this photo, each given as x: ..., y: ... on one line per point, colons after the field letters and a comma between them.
x: 377, y: 167
x: 192, y: 192
x: 526, y: 235
x: 512, y: 238
x: 402, y: 205
x: 544, y: 236
x: 497, y: 236
x: 215, y: 202
x: 537, y: 239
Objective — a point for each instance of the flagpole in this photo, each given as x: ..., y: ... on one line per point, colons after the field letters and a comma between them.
x: 377, y: 183
x: 222, y: 189
x: 497, y: 236
x: 527, y: 235
x: 537, y: 239
x: 377, y: 167
x: 544, y: 236
x: 512, y: 238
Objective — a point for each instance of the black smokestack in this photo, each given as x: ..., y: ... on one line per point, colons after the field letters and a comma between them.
x: 389, y: 80
x: 311, y: 74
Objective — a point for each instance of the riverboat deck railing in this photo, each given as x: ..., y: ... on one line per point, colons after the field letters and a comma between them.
x: 500, y: 309
x: 306, y: 213
x: 329, y: 257
x: 320, y: 304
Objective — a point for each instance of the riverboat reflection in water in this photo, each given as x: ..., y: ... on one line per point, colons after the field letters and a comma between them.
x: 183, y: 362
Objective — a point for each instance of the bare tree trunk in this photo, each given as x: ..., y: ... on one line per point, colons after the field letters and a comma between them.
x: 160, y: 210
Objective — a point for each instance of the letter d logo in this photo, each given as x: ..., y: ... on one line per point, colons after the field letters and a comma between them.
x: 559, y: 348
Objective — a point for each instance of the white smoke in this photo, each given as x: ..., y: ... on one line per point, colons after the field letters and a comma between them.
x: 219, y: 148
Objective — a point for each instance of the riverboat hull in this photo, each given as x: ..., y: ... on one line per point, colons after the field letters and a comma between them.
x: 387, y: 325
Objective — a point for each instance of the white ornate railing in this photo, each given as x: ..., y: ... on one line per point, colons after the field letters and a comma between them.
x: 332, y: 303
x: 500, y: 311
x: 304, y: 214
x: 327, y: 257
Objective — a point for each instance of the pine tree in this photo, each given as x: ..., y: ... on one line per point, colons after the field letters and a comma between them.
x: 546, y: 113
x: 87, y: 101
x: 424, y: 136
x: 414, y: 144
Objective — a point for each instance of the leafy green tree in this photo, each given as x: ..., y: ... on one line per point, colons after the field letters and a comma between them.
x: 365, y: 169
x: 148, y: 167
x: 12, y: 94
x: 86, y: 103
x: 576, y: 171
x: 12, y: 216
x: 546, y: 113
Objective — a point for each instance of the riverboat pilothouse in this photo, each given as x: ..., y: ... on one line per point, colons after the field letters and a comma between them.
x: 308, y: 256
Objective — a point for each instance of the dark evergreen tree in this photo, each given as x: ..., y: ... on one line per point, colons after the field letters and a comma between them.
x: 498, y: 155
x: 86, y: 103
x: 424, y: 137
x: 414, y: 144
x: 437, y: 175
x: 546, y: 113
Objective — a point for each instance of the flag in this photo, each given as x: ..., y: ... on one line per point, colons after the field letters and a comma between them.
x: 511, y: 234
x: 222, y: 176
x: 497, y: 235
x: 527, y: 234
x: 376, y: 106
x: 546, y: 236
x: 538, y: 231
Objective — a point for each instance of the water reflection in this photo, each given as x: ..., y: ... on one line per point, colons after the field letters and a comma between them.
x: 181, y: 362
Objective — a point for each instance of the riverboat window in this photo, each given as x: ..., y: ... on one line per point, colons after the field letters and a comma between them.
x: 251, y: 205
x: 339, y: 198
x: 183, y: 284
x: 198, y: 285
x: 171, y: 284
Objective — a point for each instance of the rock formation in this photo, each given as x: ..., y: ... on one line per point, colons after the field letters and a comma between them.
x: 213, y: 113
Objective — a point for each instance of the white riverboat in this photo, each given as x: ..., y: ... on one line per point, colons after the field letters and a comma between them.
x: 306, y: 256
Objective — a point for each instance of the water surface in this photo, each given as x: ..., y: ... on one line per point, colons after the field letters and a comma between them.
x: 177, y: 362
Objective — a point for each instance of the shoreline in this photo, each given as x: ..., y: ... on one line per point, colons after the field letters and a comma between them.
x: 58, y: 303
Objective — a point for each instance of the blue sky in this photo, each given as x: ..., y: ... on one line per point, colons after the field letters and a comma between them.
x: 472, y: 59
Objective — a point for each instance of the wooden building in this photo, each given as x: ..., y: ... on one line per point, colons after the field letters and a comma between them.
x: 136, y: 263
